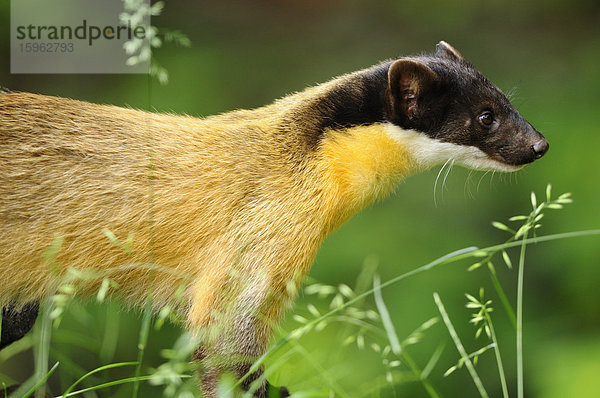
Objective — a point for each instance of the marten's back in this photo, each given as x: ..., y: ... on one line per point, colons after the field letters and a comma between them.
x: 181, y: 185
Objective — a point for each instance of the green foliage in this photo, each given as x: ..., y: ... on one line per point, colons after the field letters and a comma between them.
x: 361, y: 311
x: 245, y: 55
x: 140, y: 50
x: 379, y: 334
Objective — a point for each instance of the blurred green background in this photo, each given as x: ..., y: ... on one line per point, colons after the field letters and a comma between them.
x: 245, y: 54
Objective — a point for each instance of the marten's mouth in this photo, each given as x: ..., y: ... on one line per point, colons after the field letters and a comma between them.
x: 491, y: 164
x: 520, y: 160
x: 516, y: 159
x: 511, y: 163
x: 482, y: 161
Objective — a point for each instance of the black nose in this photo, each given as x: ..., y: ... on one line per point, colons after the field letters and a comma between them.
x: 540, y: 148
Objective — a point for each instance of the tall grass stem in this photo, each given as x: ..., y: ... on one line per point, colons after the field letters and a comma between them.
x: 460, y: 347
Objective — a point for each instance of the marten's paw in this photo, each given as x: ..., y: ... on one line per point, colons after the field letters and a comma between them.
x: 17, y: 321
x: 284, y: 392
x: 275, y: 392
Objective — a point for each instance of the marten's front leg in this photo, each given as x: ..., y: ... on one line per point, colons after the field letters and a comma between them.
x: 232, y: 348
x: 235, y: 334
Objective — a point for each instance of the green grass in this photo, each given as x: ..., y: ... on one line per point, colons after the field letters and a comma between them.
x: 357, y: 317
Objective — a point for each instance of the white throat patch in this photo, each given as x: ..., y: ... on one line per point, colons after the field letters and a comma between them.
x: 429, y: 152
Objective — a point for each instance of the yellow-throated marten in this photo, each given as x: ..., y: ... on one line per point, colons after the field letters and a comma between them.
x: 232, y: 207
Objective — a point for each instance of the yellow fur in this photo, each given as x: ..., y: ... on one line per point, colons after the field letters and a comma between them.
x: 196, y: 193
x: 365, y: 164
x: 232, y: 208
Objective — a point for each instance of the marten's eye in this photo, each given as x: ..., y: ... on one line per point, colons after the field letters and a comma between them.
x: 486, y: 118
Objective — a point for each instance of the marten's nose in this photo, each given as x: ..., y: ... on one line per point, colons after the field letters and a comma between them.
x: 540, y: 148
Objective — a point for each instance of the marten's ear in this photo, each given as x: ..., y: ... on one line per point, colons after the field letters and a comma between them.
x: 407, y: 80
x: 445, y: 50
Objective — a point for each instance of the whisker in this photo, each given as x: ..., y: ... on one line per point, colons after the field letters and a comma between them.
x: 481, y: 179
x: 467, y: 187
x: 436, y: 181
x: 512, y: 93
x: 446, y: 175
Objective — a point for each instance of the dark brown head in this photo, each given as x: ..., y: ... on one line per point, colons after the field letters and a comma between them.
x: 447, y: 100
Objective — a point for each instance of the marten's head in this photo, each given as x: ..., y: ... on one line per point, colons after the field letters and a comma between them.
x: 458, y: 113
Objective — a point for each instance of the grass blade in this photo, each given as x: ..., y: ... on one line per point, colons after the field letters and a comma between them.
x: 420, y: 375
x: 41, y: 382
x: 503, y: 298
x: 114, y: 383
x: 460, y: 347
x: 520, y: 389
x: 42, y: 349
x: 498, y: 357
x: 446, y: 259
x: 143, y: 340
x: 110, y: 366
x: 385, y: 316
x: 433, y: 361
